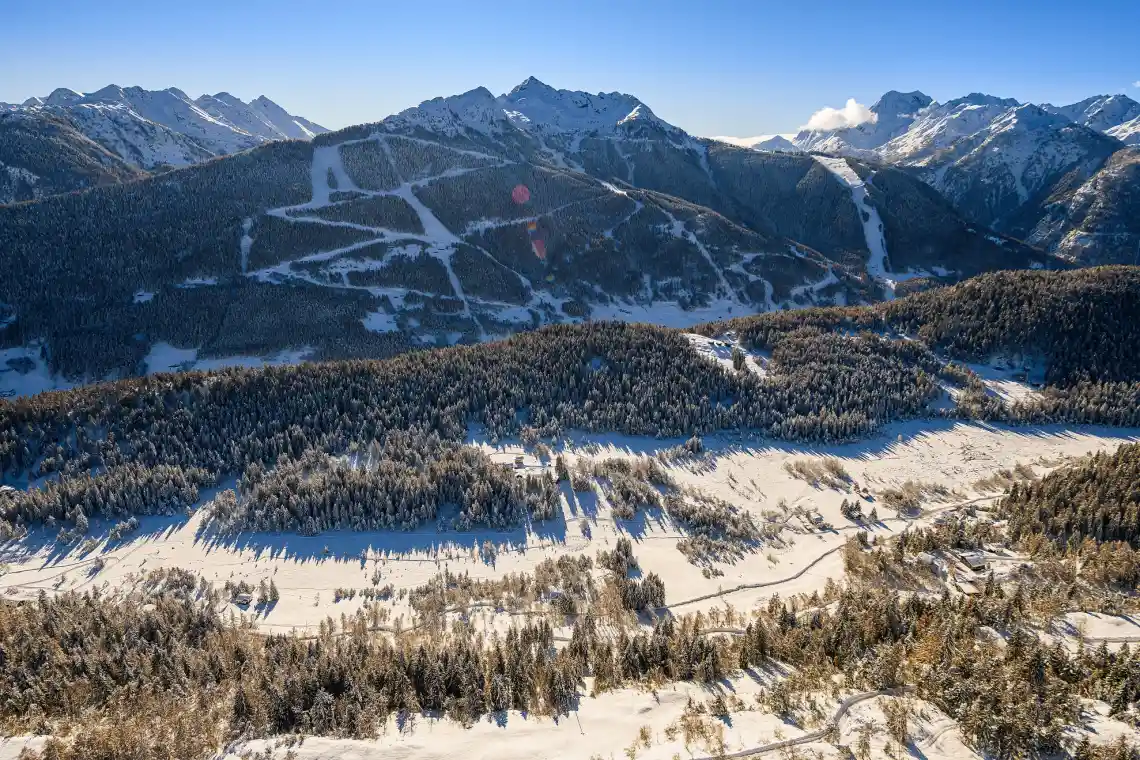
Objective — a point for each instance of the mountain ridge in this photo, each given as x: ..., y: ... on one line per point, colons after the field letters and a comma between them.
x: 157, y: 129
x: 457, y: 222
x: 1013, y: 166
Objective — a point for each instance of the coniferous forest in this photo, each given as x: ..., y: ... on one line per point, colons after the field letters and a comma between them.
x: 69, y: 655
x: 380, y: 444
x: 442, y: 490
x: 834, y: 374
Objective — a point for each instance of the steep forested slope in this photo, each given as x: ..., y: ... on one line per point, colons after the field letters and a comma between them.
x: 459, y: 221
x: 42, y: 155
x: 1080, y: 325
x: 1094, y: 220
x: 832, y: 374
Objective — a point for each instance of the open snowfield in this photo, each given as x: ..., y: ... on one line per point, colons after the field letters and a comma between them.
x: 749, y: 474
x: 601, y: 726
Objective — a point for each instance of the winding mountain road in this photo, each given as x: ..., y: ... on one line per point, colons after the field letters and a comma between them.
x: 817, y: 735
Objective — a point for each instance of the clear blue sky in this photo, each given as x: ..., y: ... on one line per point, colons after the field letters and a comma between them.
x: 714, y: 68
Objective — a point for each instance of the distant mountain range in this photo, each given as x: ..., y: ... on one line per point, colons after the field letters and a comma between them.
x: 462, y: 219
x: 1063, y: 178
x: 148, y: 130
x: 477, y: 215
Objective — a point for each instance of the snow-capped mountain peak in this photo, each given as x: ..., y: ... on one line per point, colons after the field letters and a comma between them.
x: 939, y: 125
x: 980, y: 99
x: 476, y: 109
x: 1100, y: 112
x: 531, y: 84
x: 155, y: 128
x: 895, y: 103
x: 893, y: 114
x: 776, y: 144
x: 111, y: 92
x: 1027, y: 118
x: 61, y: 96
x: 140, y: 141
x: 536, y: 105
x: 260, y: 117
x: 287, y: 124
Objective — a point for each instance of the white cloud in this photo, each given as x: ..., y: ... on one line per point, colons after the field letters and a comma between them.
x: 850, y: 115
x: 1136, y: 83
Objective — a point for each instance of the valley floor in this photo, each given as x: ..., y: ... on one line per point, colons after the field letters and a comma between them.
x: 749, y: 474
x: 802, y: 552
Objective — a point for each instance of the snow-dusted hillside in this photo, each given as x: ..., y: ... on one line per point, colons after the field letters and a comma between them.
x: 1100, y: 112
x: 1097, y: 220
x: 893, y: 114
x: 534, y: 105
x: 173, y: 109
x: 555, y: 120
x: 260, y: 117
x: 42, y: 155
x: 1001, y: 169
x: 938, y: 126
x: 138, y: 140
x: 1013, y: 166
x: 910, y: 127
x: 162, y: 128
x: 1128, y: 132
x: 467, y: 218
x: 617, y: 138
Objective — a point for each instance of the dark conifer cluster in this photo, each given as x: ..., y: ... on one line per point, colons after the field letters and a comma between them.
x: 398, y: 484
x: 167, y: 228
x: 1082, y: 324
x: 1079, y: 324
x: 122, y: 491
x: 1098, y: 498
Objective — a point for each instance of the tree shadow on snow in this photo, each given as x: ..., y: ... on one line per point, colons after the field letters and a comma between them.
x: 886, y: 441
x: 424, y: 544
x: 42, y: 541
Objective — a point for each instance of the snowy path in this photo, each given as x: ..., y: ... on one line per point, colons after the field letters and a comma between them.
x: 815, y: 287
x: 638, y: 205
x: 444, y: 247
x: 246, y: 243
x: 819, y: 734
x: 824, y: 555
x: 326, y: 159
x: 453, y: 149
x: 679, y: 231
x: 440, y: 240
x: 868, y: 215
x: 381, y: 232
x: 666, y: 609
